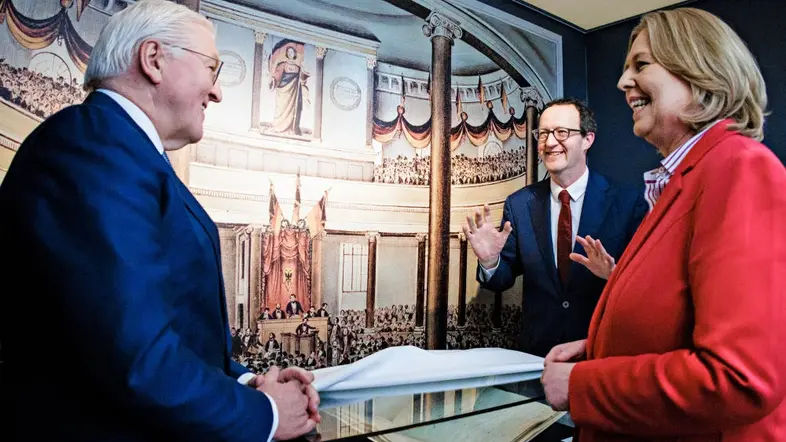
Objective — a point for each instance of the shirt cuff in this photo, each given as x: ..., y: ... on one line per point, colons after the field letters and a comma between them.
x: 275, y: 418
x: 488, y: 273
x: 244, y: 379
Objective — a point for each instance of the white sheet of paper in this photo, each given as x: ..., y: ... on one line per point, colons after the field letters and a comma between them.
x: 409, y: 370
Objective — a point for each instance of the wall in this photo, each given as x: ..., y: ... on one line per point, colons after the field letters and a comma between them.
x: 236, y: 48
x: 231, y: 170
x: 573, y: 46
x: 756, y: 21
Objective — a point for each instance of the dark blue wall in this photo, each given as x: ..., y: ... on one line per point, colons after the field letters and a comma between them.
x: 619, y: 154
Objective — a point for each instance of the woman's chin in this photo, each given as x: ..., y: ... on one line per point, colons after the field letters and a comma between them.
x: 640, y: 129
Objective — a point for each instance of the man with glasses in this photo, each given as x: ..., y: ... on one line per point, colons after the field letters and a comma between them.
x: 127, y: 263
x: 561, y: 235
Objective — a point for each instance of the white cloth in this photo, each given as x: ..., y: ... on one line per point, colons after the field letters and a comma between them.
x: 144, y: 122
x: 405, y: 370
x: 577, y: 190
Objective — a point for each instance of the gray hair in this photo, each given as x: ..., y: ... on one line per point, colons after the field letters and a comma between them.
x: 120, y: 39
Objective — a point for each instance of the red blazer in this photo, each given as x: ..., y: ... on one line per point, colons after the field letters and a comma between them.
x: 688, y: 341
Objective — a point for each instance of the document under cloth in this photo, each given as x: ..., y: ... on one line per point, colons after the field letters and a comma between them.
x: 409, y: 370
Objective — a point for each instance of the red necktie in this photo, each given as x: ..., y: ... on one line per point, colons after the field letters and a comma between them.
x: 564, y: 237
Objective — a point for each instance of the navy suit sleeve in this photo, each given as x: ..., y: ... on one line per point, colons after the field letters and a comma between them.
x: 237, y: 370
x: 640, y: 210
x: 95, y: 221
x: 509, y: 264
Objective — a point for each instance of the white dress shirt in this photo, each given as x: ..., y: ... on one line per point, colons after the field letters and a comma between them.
x: 139, y: 117
x: 576, y: 191
x: 144, y: 122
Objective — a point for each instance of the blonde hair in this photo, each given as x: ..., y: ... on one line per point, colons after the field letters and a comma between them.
x: 705, y: 52
x: 120, y: 39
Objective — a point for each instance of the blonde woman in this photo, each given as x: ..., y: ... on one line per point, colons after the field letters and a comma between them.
x: 687, y: 340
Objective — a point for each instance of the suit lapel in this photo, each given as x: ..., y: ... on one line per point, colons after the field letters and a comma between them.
x: 540, y: 215
x: 196, y: 210
x: 673, y: 190
x: 593, y: 213
x: 651, y: 221
x: 201, y: 216
x: 104, y: 101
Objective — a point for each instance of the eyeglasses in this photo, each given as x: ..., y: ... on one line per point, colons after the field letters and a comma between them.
x: 560, y: 133
x: 215, y: 69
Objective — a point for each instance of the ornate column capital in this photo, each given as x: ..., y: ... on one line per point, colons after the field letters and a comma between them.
x: 371, y: 62
x: 260, y: 36
x: 254, y: 229
x: 321, y: 52
x: 530, y: 97
x: 372, y: 236
x: 421, y: 237
x: 462, y: 237
x: 437, y: 25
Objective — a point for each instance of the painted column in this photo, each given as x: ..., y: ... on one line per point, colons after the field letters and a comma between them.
x: 256, y: 91
x: 320, y: 82
x: 442, y: 32
x: 371, y: 282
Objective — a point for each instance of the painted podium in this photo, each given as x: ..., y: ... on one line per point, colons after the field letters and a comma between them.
x: 286, y: 333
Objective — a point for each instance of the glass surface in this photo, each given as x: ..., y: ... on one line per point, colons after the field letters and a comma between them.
x: 393, y: 414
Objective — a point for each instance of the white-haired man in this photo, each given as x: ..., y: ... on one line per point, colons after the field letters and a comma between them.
x: 126, y: 262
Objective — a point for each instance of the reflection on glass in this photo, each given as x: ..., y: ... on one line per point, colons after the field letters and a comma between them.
x: 398, y: 413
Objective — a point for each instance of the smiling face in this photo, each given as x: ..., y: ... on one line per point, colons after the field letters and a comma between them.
x: 188, y: 87
x: 565, y: 160
x: 657, y: 98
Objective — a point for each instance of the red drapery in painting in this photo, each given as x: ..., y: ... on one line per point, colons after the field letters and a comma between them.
x: 287, y: 268
x: 419, y: 136
x: 37, y: 34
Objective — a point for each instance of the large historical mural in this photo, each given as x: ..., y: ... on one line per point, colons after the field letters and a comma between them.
x: 316, y: 165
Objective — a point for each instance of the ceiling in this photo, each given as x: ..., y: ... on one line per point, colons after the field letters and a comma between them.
x: 399, y: 32
x: 590, y: 14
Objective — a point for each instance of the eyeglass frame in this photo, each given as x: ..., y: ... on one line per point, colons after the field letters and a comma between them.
x: 215, y: 72
x: 537, y: 133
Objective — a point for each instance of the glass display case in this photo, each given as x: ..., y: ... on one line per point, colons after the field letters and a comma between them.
x: 510, y: 412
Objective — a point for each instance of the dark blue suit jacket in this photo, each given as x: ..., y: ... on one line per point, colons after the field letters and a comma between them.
x: 552, y: 313
x: 116, y: 325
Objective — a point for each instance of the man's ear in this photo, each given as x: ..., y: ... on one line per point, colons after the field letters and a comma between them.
x: 151, y: 55
x: 587, y: 141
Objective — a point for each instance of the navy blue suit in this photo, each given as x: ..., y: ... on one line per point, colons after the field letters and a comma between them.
x: 552, y: 313
x: 116, y: 325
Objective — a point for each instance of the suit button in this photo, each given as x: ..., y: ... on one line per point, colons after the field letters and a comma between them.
x: 565, y: 304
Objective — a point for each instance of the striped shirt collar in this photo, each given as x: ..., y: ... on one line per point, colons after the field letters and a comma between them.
x: 655, y: 180
x: 674, y: 159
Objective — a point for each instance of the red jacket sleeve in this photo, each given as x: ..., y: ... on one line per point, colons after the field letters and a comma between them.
x: 735, y: 374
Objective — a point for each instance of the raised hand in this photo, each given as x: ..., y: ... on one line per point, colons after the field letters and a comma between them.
x: 486, y: 241
x: 293, y: 404
x: 598, y: 261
